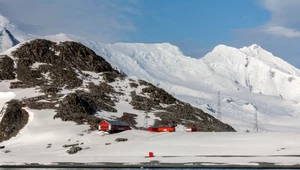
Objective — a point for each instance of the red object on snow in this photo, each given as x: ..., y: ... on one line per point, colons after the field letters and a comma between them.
x: 151, y: 154
x: 191, y: 129
x: 163, y: 128
x: 113, y: 126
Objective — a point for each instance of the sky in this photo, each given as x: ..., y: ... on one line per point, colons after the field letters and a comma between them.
x: 195, y: 26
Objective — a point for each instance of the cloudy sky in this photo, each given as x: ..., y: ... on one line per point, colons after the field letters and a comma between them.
x: 196, y: 26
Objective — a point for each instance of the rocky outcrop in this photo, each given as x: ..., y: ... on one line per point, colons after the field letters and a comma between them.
x: 43, y: 62
x: 6, y: 68
x: 14, y: 119
x: 174, y: 112
x: 81, y: 106
x: 129, y: 118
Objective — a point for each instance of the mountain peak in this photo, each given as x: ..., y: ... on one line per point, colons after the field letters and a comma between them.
x: 4, y: 21
x: 255, y: 46
x: 7, y: 40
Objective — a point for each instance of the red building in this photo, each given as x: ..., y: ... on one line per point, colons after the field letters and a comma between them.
x: 113, y: 126
x: 163, y: 128
x: 191, y: 129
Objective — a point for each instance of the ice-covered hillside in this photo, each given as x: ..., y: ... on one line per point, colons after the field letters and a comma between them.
x: 10, y: 35
x: 251, y: 80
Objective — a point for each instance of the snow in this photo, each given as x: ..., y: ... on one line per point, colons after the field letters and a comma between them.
x: 251, y: 80
x: 178, y: 147
x: 7, y: 41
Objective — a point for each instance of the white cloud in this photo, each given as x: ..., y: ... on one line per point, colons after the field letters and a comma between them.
x: 101, y: 20
x: 281, y: 31
x: 284, y: 18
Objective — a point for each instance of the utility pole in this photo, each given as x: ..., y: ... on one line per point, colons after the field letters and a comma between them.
x: 219, y: 116
x: 146, y: 120
x: 255, y: 129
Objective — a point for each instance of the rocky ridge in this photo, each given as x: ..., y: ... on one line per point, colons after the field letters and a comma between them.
x: 94, y: 86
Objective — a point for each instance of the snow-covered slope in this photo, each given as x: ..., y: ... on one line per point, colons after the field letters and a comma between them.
x: 249, y: 75
x: 10, y: 35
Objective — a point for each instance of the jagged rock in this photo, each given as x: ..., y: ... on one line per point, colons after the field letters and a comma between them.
x: 121, y: 139
x: 14, y: 119
x: 7, y: 151
x: 70, y: 145
x: 129, y: 118
x: 175, y: 112
x: 143, y: 103
x: 6, y: 68
x: 59, y: 62
x: 80, y: 107
x: 74, y: 150
x: 133, y: 85
x: 145, y: 83
x: 159, y: 95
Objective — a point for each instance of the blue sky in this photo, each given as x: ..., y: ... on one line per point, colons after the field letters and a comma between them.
x: 196, y: 26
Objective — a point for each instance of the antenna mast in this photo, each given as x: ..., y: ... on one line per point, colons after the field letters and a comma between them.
x: 255, y: 129
x: 219, y: 116
x: 146, y: 120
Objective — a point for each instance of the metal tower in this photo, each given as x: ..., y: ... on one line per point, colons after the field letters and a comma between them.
x: 219, y: 116
x: 255, y: 128
x: 146, y: 120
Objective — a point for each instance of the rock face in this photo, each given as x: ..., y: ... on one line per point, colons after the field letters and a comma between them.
x: 59, y: 61
x: 7, y: 68
x: 175, y: 112
x: 14, y: 119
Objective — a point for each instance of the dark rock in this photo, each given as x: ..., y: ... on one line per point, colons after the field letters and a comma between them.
x: 110, y: 76
x: 7, y: 151
x: 74, y: 150
x: 175, y: 112
x: 21, y: 84
x: 7, y: 68
x: 14, y: 119
x: 70, y: 145
x: 2, y: 147
x: 129, y: 118
x: 81, y: 106
x: 145, y: 83
x: 159, y: 95
x: 121, y: 139
x: 63, y: 63
x: 133, y: 85
x: 107, y: 143
x: 49, y: 145
x: 142, y: 103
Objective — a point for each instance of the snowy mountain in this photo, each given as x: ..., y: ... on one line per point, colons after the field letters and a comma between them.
x: 250, y: 79
x: 53, y: 95
x: 10, y: 35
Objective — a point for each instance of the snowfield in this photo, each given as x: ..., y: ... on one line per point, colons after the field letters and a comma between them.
x: 179, y: 147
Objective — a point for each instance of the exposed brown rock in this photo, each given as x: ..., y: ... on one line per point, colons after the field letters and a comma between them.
x: 6, y: 68
x: 129, y: 118
x: 14, y: 119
